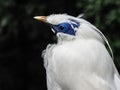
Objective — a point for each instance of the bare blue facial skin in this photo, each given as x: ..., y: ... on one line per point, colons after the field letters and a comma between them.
x: 67, y: 28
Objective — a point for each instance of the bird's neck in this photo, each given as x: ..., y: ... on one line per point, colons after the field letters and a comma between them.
x: 64, y: 38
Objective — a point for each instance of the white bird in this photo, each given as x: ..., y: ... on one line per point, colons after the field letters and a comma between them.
x: 79, y: 60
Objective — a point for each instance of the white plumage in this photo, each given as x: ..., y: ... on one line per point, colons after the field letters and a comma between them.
x: 79, y: 60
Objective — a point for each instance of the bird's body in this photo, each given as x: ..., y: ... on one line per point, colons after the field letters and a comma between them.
x: 68, y: 67
x: 79, y: 60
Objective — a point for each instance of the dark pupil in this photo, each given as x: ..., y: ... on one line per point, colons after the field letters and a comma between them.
x: 61, y: 27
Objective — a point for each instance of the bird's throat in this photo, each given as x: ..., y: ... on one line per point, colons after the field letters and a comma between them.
x: 64, y: 38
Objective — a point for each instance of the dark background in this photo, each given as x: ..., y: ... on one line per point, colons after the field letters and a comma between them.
x: 22, y: 39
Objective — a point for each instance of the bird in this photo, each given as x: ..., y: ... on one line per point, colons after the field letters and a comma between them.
x: 80, y: 59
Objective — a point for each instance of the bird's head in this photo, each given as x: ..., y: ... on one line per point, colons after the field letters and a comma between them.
x: 71, y: 28
x: 67, y: 26
x: 61, y: 24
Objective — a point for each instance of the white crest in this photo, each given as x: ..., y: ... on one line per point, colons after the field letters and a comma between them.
x: 80, y: 15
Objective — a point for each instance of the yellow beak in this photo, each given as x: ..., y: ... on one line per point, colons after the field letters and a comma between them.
x: 40, y: 18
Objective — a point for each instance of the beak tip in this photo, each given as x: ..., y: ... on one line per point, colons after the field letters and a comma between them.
x: 40, y: 18
x: 36, y: 17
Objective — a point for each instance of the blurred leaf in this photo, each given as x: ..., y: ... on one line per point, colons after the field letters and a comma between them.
x: 111, y: 17
x: 117, y: 43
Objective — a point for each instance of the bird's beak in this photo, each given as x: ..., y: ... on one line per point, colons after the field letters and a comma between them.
x: 44, y: 19
x: 41, y: 18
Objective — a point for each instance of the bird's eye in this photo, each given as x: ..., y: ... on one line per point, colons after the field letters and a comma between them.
x: 61, y: 27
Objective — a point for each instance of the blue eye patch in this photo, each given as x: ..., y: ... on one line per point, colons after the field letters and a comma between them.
x: 66, y: 27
